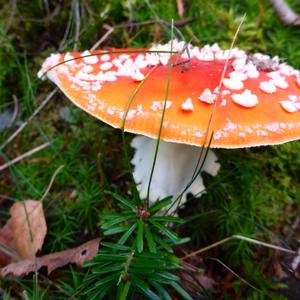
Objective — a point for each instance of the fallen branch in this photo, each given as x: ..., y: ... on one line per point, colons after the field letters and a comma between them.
x: 109, y: 31
x: 234, y: 273
x: 36, y: 112
x: 24, y: 155
x: 285, y: 13
x: 242, y: 238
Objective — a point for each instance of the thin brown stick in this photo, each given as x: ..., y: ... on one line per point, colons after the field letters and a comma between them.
x: 109, y: 31
x: 234, y: 273
x: 285, y: 13
x: 294, y: 226
x: 180, y: 8
x: 238, y: 237
x: 36, y: 112
x: 24, y: 155
x: 53, y: 92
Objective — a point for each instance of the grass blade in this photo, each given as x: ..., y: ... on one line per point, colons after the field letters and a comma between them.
x: 181, y: 291
x: 127, y: 234
x: 150, y: 240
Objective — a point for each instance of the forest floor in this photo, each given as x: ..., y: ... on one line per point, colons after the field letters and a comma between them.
x: 255, y: 194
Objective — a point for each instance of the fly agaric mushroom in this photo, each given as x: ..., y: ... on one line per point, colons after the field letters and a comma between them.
x: 258, y: 104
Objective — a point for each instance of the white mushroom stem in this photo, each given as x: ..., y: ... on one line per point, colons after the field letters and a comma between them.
x: 174, y: 168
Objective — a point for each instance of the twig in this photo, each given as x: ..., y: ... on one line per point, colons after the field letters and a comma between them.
x: 234, y: 273
x: 38, y: 109
x: 238, y: 237
x: 294, y: 226
x: 285, y: 13
x: 109, y: 31
x: 180, y: 8
x: 191, y: 33
x: 24, y: 155
x: 53, y: 92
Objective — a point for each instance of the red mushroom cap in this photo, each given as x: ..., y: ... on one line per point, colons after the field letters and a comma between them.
x: 258, y: 103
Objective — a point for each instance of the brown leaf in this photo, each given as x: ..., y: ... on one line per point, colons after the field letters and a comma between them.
x: 6, y: 235
x: 78, y: 255
x: 28, y: 227
x: 6, y: 239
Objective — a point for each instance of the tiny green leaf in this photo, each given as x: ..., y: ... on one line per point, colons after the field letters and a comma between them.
x: 162, y: 291
x: 125, y: 291
x: 165, y: 230
x: 116, y: 220
x: 181, y: 291
x: 115, y: 246
x: 163, y: 243
x: 127, y: 234
x: 116, y: 229
x: 160, y: 204
x: 144, y: 288
x: 150, y: 240
x: 124, y: 202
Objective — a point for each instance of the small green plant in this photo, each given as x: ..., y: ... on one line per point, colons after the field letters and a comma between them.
x: 141, y: 259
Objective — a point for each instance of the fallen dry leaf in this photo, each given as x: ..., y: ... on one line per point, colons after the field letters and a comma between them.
x: 6, y: 239
x: 78, y: 255
x: 23, y: 234
x: 6, y: 235
x: 28, y: 226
